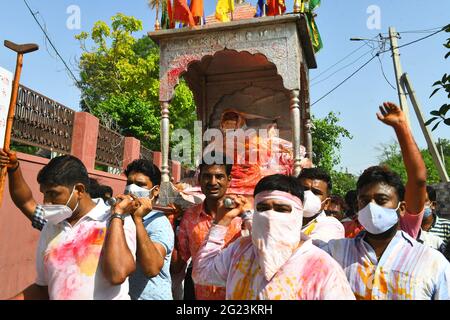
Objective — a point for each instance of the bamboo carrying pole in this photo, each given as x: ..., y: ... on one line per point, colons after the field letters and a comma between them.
x: 20, y: 50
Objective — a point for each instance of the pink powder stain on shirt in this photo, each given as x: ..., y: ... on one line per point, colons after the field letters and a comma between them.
x: 77, y: 257
x: 79, y: 247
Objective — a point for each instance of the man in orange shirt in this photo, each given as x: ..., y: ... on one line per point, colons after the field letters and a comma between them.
x: 214, y: 180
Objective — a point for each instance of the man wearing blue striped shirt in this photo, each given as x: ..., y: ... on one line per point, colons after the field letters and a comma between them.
x: 432, y: 222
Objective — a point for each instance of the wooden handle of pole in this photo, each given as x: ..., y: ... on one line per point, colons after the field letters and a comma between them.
x: 10, y: 120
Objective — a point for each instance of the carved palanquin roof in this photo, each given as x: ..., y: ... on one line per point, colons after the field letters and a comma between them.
x: 283, y: 43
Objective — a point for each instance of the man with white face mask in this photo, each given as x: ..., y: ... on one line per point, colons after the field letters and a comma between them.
x: 274, y: 263
x: 383, y: 262
x: 316, y: 224
x: 155, y: 236
x: 84, y: 252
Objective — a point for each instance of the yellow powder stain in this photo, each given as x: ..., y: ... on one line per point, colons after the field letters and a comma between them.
x: 310, y: 228
x: 243, y: 290
x: 366, y: 277
x: 89, y: 264
x: 382, y: 283
x: 400, y: 290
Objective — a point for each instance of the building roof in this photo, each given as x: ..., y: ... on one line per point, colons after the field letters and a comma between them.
x: 241, y: 12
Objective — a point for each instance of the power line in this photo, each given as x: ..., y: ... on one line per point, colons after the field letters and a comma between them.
x: 344, y: 67
x: 421, y: 31
x: 106, y: 119
x: 377, y: 55
x: 341, y: 60
x: 417, y: 40
x: 335, y: 64
x: 51, y: 44
x: 384, y: 74
x: 345, y: 80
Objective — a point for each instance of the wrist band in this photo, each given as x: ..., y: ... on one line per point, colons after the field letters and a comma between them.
x: 118, y: 216
x: 11, y: 170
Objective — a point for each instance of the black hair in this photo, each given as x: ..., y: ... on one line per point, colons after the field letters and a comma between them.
x: 351, y: 198
x: 280, y: 182
x: 64, y: 171
x: 107, y: 189
x: 381, y: 174
x: 97, y: 190
x: 338, y: 200
x: 219, y: 160
x: 316, y: 174
x: 93, y: 188
x: 147, y: 168
x: 431, y: 193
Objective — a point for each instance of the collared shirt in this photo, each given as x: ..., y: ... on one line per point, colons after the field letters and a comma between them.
x: 194, y: 228
x: 431, y: 240
x: 407, y: 270
x: 441, y: 228
x: 159, y: 287
x: 68, y: 257
x: 324, y: 228
x: 309, y: 274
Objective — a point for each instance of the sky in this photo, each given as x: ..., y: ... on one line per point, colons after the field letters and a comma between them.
x: 357, y: 100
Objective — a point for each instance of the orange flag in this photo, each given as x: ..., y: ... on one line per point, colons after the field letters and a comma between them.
x: 275, y: 7
x: 197, y: 8
x: 170, y: 13
x: 182, y: 13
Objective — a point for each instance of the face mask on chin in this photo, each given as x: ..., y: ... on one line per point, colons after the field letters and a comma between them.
x: 139, y: 191
x: 377, y: 219
x: 56, y: 213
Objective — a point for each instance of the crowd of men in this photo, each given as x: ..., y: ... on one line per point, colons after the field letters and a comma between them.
x: 292, y: 240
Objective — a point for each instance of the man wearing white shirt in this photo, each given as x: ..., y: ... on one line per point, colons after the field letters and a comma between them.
x: 86, y: 250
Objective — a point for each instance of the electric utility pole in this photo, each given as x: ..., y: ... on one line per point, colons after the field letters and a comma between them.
x: 398, y: 72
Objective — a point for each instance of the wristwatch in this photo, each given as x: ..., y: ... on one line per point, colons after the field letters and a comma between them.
x: 117, y: 215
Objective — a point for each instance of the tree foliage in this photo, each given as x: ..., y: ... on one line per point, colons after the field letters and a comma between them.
x: 391, y: 156
x: 440, y: 115
x: 327, y: 135
x: 120, y: 81
x: 342, y: 182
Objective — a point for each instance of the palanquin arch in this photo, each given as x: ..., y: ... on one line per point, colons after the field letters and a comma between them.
x: 257, y: 66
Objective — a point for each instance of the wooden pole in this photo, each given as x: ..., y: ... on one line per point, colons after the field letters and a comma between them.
x: 21, y: 50
x: 10, y: 119
x: 398, y: 73
x: 426, y: 133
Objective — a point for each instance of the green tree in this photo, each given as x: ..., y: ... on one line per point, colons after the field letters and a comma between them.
x: 342, y: 182
x: 327, y: 135
x: 441, y: 115
x: 120, y: 81
x: 391, y: 157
